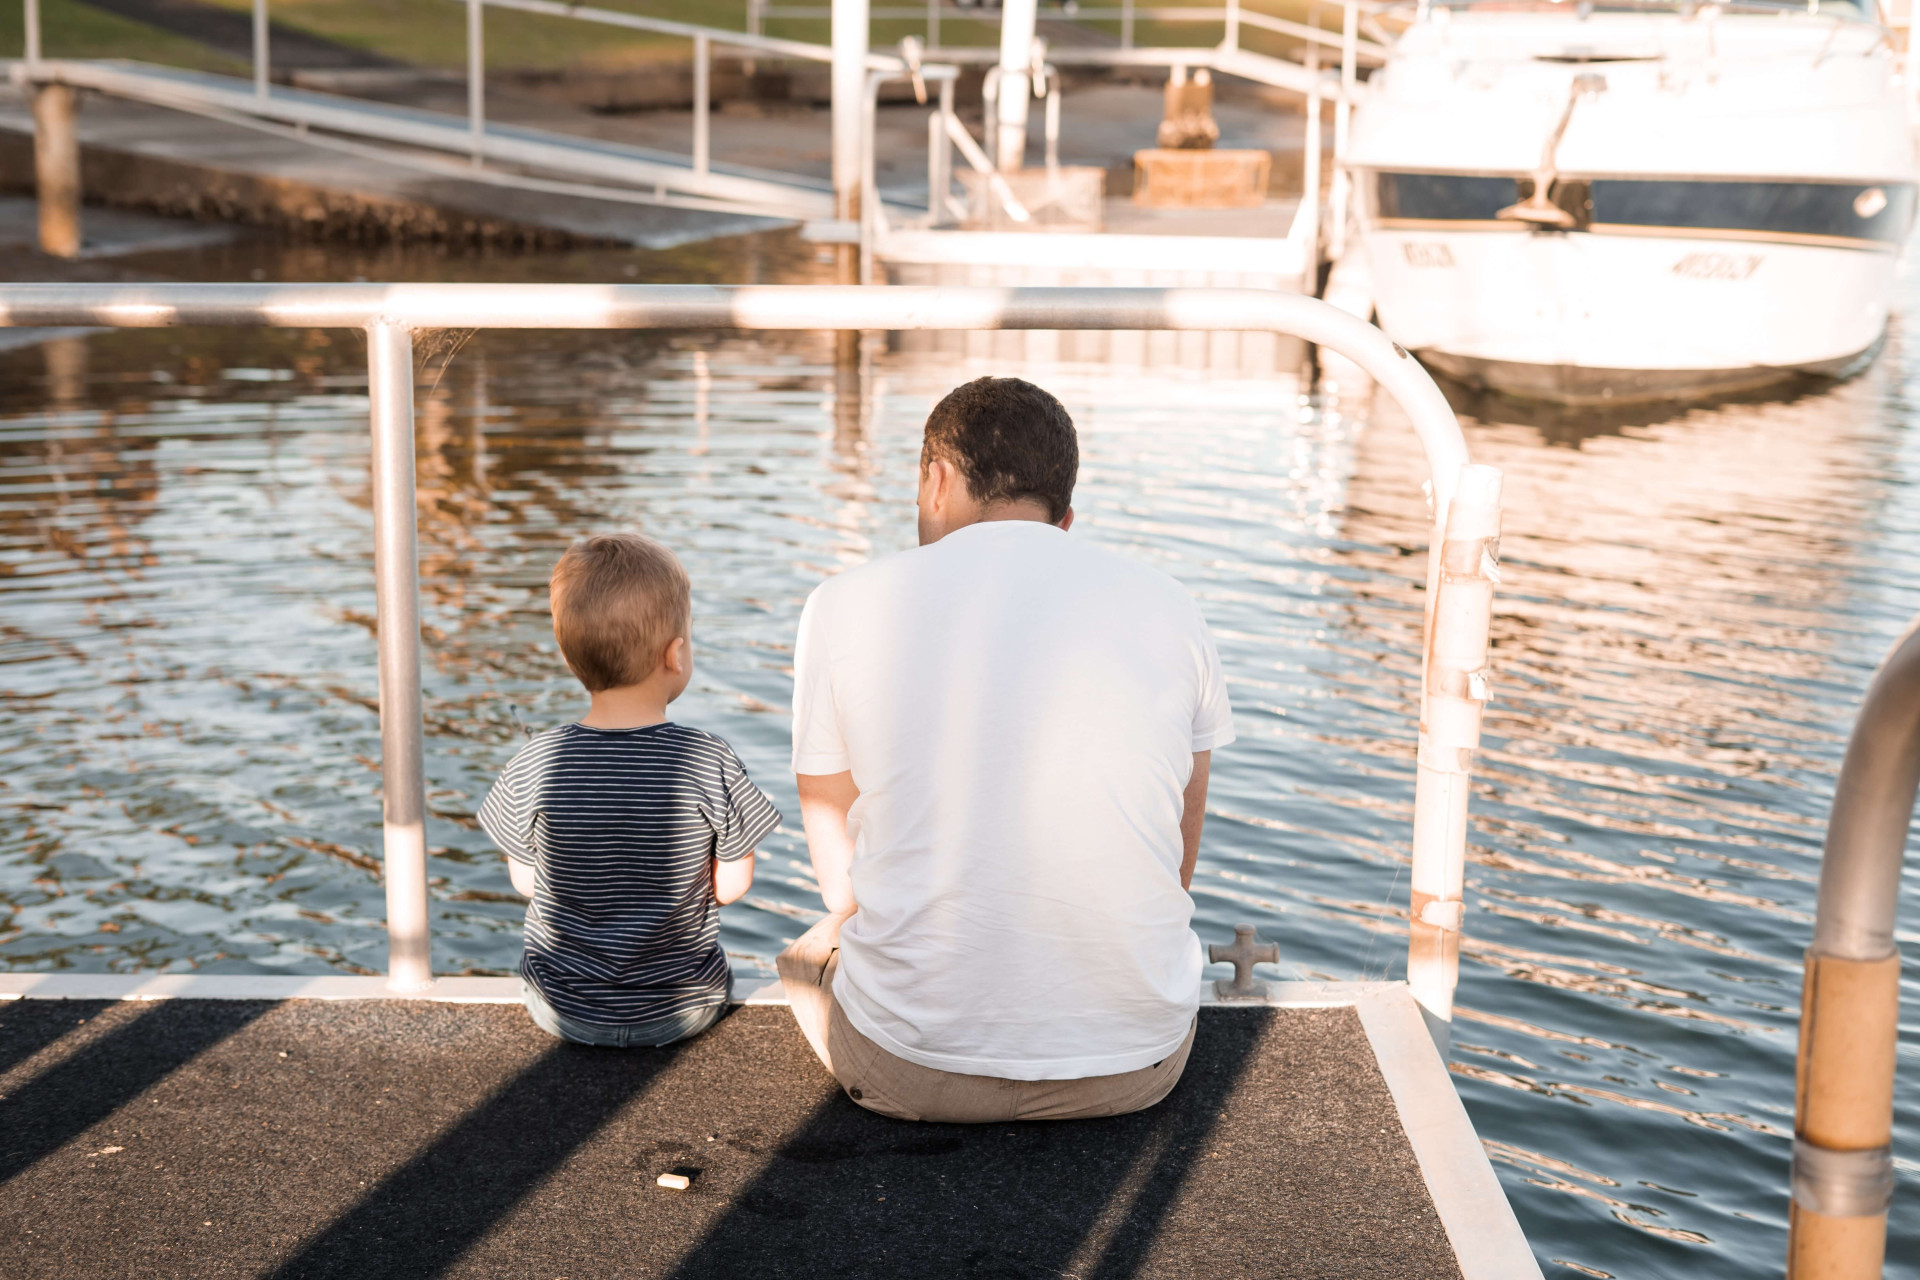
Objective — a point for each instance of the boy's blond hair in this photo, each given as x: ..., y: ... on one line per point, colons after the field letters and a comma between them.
x: 618, y: 600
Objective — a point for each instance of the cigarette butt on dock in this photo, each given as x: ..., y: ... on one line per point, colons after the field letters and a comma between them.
x: 674, y: 1181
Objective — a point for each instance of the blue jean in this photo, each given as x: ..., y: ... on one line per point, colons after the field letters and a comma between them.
x: 636, y: 1035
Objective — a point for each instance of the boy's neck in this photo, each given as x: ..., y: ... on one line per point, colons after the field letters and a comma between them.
x: 633, y: 706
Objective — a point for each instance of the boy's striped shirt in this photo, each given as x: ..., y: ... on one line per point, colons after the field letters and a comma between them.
x: 619, y: 826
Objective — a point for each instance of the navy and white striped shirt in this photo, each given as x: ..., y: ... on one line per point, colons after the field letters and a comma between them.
x: 619, y: 826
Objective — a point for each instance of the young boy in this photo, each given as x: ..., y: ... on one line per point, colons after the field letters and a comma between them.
x: 625, y: 829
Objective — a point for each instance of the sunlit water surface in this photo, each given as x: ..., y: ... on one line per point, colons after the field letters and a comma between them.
x: 1692, y: 603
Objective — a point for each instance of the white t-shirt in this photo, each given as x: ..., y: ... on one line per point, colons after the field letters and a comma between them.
x: 1020, y: 709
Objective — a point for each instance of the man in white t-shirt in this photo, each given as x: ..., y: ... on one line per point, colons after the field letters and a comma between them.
x: 1002, y: 742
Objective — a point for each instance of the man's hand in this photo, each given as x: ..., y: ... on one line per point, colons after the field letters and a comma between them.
x: 825, y: 800
x: 1193, y: 815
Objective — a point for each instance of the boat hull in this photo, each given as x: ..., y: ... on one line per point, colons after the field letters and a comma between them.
x: 1589, y: 317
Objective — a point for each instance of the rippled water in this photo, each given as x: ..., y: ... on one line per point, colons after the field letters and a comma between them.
x: 1692, y: 604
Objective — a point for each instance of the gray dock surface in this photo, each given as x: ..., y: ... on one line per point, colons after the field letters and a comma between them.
x: 397, y: 1138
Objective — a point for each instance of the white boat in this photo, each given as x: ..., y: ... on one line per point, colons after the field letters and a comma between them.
x: 1617, y: 201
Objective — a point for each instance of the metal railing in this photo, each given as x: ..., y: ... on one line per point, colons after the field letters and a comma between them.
x: 1460, y: 570
x: 1850, y: 1002
x: 1232, y: 17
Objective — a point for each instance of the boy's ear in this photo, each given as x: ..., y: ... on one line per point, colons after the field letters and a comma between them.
x: 674, y: 659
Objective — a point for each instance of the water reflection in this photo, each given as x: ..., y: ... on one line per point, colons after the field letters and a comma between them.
x: 1692, y: 602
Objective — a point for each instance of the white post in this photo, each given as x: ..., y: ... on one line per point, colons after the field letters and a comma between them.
x: 1342, y: 120
x: 476, y: 80
x: 702, y: 67
x: 940, y: 157
x: 1126, y: 24
x: 1232, y: 38
x: 1310, y: 165
x: 1053, y: 122
x: 849, y: 84
x: 396, y: 571
x: 260, y: 65
x: 32, y: 17
x: 1016, y: 84
x: 1460, y: 586
x: 933, y: 24
x: 748, y: 66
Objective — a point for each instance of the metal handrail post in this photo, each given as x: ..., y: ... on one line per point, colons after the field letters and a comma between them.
x: 477, y: 79
x: 1850, y: 1001
x: 1454, y: 689
x: 1126, y: 24
x: 1342, y: 124
x: 261, y: 66
x: 1231, y: 40
x: 1310, y: 166
x: 940, y: 157
x: 396, y: 571
x: 702, y: 96
x: 933, y: 24
x: 31, y: 18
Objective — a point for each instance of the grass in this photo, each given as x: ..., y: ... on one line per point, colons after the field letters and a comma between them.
x: 432, y: 33
x: 72, y: 30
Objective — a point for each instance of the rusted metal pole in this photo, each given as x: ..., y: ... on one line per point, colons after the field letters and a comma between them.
x: 56, y: 168
x: 396, y: 571
x: 1850, y: 1001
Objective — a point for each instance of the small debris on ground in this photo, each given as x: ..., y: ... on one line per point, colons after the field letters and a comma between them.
x: 677, y: 1180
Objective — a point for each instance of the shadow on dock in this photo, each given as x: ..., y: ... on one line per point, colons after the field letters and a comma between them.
x: 377, y: 1138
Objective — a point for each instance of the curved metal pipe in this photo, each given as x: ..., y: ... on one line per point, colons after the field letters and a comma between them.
x: 1459, y: 600
x: 1850, y: 1003
x: 1872, y: 809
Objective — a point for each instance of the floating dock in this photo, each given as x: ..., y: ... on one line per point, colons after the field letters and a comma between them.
x: 172, y: 1125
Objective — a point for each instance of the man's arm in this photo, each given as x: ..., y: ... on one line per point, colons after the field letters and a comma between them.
x: 1192, y: 816
x: 825, y: 799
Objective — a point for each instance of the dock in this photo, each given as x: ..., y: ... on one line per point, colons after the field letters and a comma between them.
x: 157, y: 1125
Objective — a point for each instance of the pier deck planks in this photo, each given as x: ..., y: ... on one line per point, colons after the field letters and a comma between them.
x: 314, y: 1138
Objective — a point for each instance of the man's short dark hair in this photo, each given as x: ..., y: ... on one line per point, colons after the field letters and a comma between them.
x: 1009, y: 440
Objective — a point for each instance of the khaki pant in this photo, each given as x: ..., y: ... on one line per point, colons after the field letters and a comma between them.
x: 892, y: 1086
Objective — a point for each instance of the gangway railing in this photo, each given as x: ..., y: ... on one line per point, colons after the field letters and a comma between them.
x: 1232, y: 17
x: 1461, y: 567
x: 1850, y: 1001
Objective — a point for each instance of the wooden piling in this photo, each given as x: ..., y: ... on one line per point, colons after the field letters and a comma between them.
x: 56, y: 168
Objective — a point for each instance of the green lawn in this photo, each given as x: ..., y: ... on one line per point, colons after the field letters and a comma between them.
x: 432, y: 33
x: 72, y: 30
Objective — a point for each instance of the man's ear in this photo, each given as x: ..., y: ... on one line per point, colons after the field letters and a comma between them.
x: 940, y: 478
x: 1066, y: 521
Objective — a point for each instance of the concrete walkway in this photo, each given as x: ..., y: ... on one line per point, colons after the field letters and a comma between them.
x: 391, y: 1138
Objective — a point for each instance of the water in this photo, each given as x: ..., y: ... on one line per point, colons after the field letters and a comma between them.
x: 1692, y: 604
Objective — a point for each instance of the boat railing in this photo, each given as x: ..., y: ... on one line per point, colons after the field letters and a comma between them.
x: 1461, y: 565
x: 1850, y: 1000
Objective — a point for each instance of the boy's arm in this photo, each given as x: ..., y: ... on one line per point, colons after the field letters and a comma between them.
x: 731, y: 880
x: 1193, y: 815
x: 825, y: 800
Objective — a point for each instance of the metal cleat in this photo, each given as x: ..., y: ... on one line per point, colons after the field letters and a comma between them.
x: 1243, y: 954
